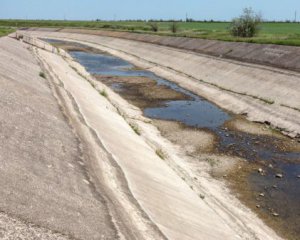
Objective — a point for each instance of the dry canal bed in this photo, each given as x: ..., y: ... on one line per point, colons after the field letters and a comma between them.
x: 268, y: 182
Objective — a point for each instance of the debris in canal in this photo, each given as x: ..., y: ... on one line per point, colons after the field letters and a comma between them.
x: 279, y: 175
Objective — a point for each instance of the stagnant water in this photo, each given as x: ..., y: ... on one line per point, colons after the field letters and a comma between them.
x: 281, y: 195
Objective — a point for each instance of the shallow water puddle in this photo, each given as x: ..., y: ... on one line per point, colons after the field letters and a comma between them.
x: 195, y: 112
x: 162, y: 99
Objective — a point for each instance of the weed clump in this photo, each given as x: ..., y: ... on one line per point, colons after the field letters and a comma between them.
x: 42, y: 75
x: 135, y: 128
x: 104, y: 93
x: 212, y: 162
x: 160, y: 153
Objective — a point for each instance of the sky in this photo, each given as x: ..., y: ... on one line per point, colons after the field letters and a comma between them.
x: 145, y: 9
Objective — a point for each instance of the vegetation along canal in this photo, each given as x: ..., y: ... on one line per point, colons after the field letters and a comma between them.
x: 268, y: 182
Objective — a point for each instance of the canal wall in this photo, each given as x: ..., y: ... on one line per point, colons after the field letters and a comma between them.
x: 286, y: 57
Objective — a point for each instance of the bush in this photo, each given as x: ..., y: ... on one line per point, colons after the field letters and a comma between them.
x: 174, y: 27
x: 153, y: 26
x: 130, y: 28
x: 246, y: 25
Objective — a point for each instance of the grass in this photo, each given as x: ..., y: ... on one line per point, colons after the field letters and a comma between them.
x: 5, y: 31
x: 281, y: 33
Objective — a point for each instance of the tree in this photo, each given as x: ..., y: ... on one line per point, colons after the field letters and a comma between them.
x: 247, y: 25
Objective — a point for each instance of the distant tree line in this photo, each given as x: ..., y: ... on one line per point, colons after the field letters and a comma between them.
x: 162, y: 20
x: 190, y: 20
x: 244, y: 26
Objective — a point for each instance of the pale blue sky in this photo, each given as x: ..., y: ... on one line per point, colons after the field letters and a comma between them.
x: 143, y: 9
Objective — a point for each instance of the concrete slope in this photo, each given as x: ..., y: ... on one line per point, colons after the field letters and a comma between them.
x: 265, y: 94
x: 44, y: 190
x: 286, y: 57
x: 168, y: 201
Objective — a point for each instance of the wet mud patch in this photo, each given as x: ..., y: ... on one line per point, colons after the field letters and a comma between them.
x: 72, y: 46
x: 142, y: 92
x: 258, y: 148
x: 274, y: 199
x: 264, y: 133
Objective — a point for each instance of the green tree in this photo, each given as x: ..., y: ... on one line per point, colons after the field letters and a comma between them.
x: 247, y: 25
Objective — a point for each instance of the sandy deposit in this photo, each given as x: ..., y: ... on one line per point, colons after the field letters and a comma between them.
x: 193, y: 141
x: 240, y: 124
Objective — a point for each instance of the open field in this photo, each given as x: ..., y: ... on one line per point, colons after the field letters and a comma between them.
x: 273, y: 33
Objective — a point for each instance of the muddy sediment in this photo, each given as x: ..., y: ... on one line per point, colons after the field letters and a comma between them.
x: 72, y: 46
x: 243, y: 125
x: 281, y: 142
x: 141, y: 91
x: 221, y: 137
x: 265, y: 195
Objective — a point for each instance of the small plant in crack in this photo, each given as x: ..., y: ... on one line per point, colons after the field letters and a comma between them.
x: 42, y: 75
x: 93, y: 84
x: 135, y: 128
x: 104, y: 93
x: 160, y: 153
x: 212, y: 162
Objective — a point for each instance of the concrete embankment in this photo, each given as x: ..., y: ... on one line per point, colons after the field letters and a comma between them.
x: 287, y: 57
x: 263, y: 93
x: 45, y: 190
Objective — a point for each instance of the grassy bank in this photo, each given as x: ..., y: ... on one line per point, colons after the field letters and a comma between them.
x: 274, y: 33
x: 5, y: 31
